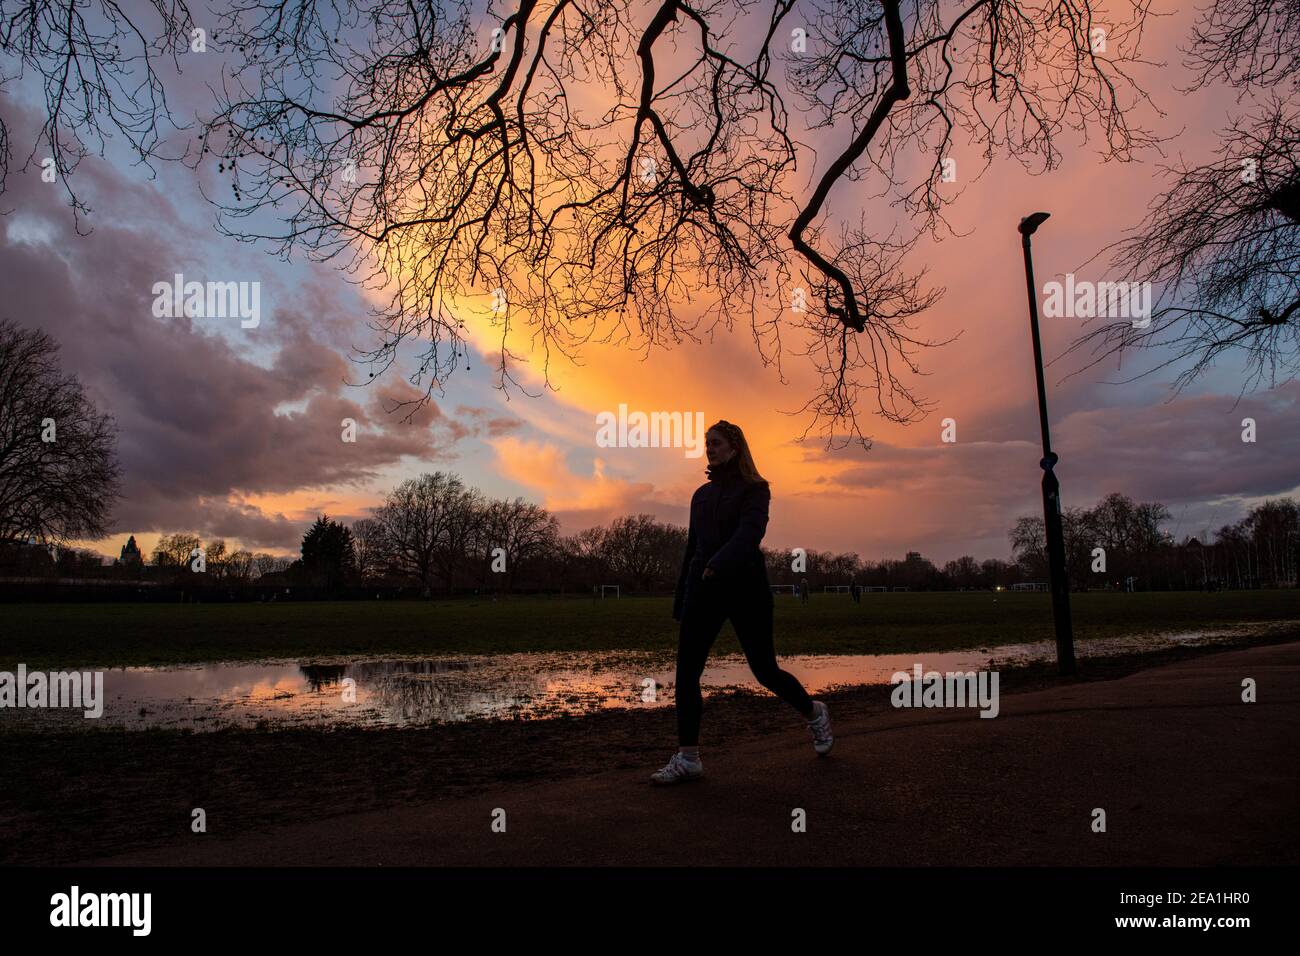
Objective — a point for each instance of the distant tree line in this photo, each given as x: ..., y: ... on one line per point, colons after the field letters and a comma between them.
x: 1120, y: 540
x: 175, y: 554
x: 433, y: 535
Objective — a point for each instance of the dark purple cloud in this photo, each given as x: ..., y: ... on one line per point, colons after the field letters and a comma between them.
x: 207, y: 411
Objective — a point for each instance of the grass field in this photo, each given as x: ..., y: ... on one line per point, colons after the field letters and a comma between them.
x: 81, y: 635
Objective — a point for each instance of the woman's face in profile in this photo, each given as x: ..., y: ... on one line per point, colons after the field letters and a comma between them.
x: 716, y: 447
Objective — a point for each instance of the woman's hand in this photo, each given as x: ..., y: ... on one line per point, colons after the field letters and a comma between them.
x: 708, y: 573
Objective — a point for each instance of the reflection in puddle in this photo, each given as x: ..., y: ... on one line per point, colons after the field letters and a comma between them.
x: 398, y: 693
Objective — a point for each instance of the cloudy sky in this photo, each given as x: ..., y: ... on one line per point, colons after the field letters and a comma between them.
x: 235, y: 433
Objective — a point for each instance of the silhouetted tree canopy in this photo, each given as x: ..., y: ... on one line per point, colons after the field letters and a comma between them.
x: 636, y: 172
x: 59, y: 474
x: 328, y: 553
x: 1221, y: 243
x: 629, y: 172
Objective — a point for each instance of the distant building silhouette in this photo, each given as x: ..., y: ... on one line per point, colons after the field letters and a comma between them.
x: 131, y: 556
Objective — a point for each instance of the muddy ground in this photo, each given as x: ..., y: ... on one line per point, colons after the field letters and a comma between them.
x: 83, y: 795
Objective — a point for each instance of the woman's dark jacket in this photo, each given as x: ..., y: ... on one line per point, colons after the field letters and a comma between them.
x: 728, y: 519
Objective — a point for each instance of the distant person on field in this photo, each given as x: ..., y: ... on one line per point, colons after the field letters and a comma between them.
x: 724, y: 577
x: 803, y: 590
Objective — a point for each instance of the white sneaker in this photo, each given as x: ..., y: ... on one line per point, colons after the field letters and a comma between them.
x: 820, y: 726
x: 678, y: 770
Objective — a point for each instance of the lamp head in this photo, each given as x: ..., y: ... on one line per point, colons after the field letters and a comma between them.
x: 1030, y: 223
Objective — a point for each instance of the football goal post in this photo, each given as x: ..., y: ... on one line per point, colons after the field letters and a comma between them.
x: 782, y: 588
x: 604, y: 588
x: 836, y: 588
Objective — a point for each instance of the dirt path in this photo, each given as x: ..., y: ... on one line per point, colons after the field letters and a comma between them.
x: 1186, y: 772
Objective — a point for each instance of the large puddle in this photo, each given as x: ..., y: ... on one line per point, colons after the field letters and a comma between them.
x: 399, y: 693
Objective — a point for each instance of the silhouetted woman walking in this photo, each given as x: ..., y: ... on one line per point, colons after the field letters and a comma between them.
x: 724, y: 577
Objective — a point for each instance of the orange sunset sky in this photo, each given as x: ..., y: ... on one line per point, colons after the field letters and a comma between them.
x: 234, y: 433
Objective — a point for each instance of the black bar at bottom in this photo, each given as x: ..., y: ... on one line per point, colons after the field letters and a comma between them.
x: 932, y: 904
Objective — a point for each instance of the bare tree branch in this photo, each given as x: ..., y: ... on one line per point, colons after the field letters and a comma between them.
x: 96, y: 64
x: 628, y: 173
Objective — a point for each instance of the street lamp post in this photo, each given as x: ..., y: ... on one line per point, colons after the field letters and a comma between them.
x: 1059, y: 582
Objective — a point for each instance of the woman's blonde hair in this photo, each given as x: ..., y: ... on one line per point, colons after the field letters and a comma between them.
x: 744, y: 458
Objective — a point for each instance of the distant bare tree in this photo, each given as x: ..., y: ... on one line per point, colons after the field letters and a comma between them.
x: 580, y: 558
x: 59, y: 474
x: 268, y: 563
x: 642, y: 551
x: 997, y: 573
x: 460, y: 531
x: 175, y: 550
x: 370, y: 548
x: 522, y: 530
x: 964, y: 572
x: 1261, y: 548
x: 214, y: 559
x: 418, y: 518
x: 841, y: 568
x: 239, y: 567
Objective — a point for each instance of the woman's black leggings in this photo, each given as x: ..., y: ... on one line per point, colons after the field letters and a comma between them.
x: 703, y: 615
